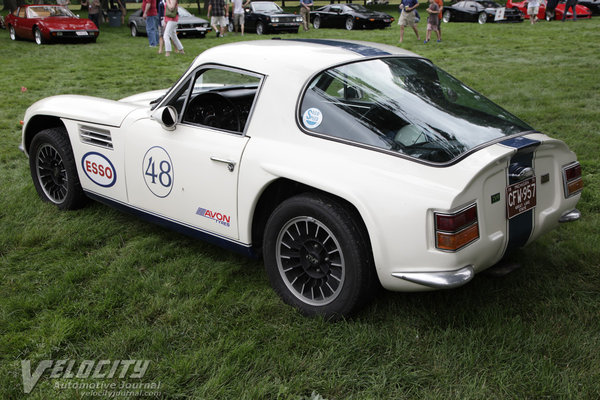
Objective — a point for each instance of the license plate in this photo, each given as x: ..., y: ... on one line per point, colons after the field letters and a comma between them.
x: 520, y: 197
x: 81, y: 33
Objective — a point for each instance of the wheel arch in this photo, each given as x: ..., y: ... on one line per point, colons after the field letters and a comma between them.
x: 38, y: 123
x: 282, y: 189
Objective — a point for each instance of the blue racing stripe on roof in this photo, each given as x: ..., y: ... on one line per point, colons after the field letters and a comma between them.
x: 520, y: 142
x: 361, y: 49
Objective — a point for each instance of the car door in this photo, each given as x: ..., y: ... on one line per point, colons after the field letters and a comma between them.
x: 250, y: 18
x: 188, y: 174
x: 23, y: 26
x: 324, y: 15
x: 337, y: 19
x: 462, y: 11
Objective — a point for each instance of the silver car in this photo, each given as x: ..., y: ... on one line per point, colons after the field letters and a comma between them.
x: 188, y: 24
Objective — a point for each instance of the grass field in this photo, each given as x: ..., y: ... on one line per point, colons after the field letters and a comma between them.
x: 96, y: 284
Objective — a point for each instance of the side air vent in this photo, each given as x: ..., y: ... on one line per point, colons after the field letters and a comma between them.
x: 95, y: 136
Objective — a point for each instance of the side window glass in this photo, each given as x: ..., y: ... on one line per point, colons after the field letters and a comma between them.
x: 221, y: 99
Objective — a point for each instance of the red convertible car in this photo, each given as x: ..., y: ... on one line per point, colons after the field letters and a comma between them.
x: 45, y: 23
x: 582, y: 11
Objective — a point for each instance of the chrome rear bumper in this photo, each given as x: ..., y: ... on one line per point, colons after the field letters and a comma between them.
x: 439, y: 280
x: 570, y: 216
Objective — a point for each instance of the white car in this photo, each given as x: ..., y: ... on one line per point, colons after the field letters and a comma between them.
x: 345, y: 164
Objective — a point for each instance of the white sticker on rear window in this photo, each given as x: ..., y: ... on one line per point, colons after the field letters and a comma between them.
x: 312, y: 118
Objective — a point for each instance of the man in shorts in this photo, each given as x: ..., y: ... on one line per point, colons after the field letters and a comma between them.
x: 238, y: 14
x: 219, y: 15
x: 533, y: 8
x: 407, y: 18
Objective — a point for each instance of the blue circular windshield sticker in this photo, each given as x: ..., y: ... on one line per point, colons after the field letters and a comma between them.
x: 312, y: 118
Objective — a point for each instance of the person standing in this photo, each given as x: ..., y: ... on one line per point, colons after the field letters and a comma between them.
x: 407, y: 18
x: 573, y: 5
x: 440, y: 4
x: 171, y: 18
x: 150, y: 14
x: 533, y: 8
x: 550, y: 7
x: 161, y: 25
x: 238, y: 14
x: 305, y: 6
x: 219, y: 15
x: 93, y: 11
x: 432, y: 20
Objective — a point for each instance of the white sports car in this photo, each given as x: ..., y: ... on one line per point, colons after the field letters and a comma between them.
x: 345, y: 164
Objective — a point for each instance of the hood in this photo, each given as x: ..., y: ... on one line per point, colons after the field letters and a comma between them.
x: 144, y: 99
x: 63, y: 23
x: 82, y: 108
x: 191, y: 20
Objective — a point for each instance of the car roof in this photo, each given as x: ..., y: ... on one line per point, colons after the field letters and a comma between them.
x: 295, y: 57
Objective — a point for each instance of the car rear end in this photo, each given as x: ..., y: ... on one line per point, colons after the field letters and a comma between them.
x: 470, y: 181
x: 476, y: 212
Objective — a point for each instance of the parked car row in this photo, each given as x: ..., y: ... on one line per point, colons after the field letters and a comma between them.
x: 558, y: 12
x: 45, y: 23
x: 483, y: 11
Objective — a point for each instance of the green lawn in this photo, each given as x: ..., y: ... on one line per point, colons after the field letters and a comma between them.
x: 96, y: 284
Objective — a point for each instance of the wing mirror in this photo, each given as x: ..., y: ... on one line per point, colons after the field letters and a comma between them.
x: 166, y: 116
x: 353, y: 93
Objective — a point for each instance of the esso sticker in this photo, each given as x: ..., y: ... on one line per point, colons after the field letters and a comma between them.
x: 99, y: 169
x: 312, y: 118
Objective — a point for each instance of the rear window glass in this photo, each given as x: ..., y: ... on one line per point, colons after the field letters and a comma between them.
x: 403, y: 105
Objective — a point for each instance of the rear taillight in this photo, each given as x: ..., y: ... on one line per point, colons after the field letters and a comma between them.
x: 455, y: 231
x: 572, y: 179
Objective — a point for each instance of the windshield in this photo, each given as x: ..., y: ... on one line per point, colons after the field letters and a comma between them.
x: 404, y: 105
x: 183, y: 12
x: 357, y: 7
x: 266, y: 7
x: 49, y: 11
x: 490, y: 4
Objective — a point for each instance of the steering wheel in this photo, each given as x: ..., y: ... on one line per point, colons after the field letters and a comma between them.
x: 215, y: 110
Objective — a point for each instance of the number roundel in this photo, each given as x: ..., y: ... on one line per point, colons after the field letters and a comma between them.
x: 157, y: 169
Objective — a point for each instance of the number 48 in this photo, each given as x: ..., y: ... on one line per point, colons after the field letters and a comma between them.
x: 164, y: 176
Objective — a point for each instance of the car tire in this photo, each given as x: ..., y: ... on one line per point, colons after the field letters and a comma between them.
x: 12, y: 33
x: 54, y: 171
x: 317, y: 256
x: 260, y: 28
x: 230, y: 26
x: 446, y: 16
x: 550, y: 15
x: 482, y: 18
x: 349, y: 23
x: 134, y: 31
x: 317, y: 22
x: 37, y: 35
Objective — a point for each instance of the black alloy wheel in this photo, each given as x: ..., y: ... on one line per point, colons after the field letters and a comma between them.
x: 53, y: 169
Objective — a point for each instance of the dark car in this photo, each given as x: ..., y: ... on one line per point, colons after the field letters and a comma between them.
x: 593, y: 5
x: 481, y: 11
x: 188, y: 24
x: 266, y: 17
x: 349, y: 16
